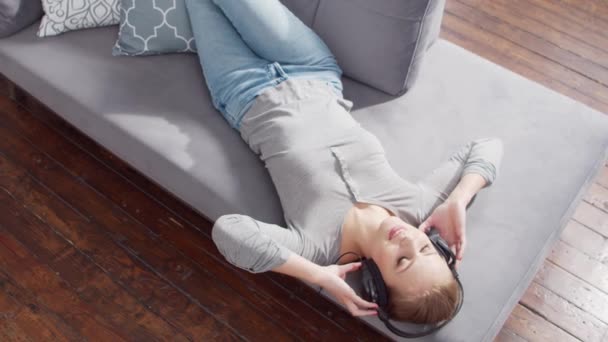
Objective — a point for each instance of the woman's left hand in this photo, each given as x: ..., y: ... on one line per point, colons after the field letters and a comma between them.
x: 449, y: 219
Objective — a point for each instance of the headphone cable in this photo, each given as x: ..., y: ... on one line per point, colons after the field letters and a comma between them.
x: 347, y: 253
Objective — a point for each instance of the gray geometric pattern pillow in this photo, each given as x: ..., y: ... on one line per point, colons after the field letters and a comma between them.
x: 67, y: 15
x: 152, y: 27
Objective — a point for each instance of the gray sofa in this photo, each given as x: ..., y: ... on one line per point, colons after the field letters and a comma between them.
x: 155, y: 113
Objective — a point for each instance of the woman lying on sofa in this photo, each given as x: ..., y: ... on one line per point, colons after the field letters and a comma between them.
x: 276, y: 82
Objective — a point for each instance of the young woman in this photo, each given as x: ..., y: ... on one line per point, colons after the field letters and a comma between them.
x: 278, y: 84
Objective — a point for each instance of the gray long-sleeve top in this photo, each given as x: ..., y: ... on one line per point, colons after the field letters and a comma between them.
x: 322, y: 162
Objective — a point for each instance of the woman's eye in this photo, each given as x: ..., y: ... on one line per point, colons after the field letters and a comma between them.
x: 401, y: 259
x: 425, y: 248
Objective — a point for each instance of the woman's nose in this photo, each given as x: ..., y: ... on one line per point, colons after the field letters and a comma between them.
x: 408, y: 242
x: 407, y: 247
x: 408, y: 235
x: 411, y: 242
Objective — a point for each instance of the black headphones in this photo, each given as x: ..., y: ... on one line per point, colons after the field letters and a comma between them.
x: 374, y: 288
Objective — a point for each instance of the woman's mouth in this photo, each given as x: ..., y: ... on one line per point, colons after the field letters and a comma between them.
x: 394, y: 231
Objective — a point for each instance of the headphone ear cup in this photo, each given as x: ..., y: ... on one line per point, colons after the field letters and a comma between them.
x: 441, y: 246
x: 373, y: 284
x: 369, y: 288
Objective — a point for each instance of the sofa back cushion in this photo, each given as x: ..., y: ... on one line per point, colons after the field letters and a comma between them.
x: 17, y: 14
x: 380, y: 43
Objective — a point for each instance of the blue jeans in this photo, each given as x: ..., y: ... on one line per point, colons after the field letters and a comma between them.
x: 245, y: 46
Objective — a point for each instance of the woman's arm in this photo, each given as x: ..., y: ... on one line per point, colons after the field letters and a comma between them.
x: 253, y: 245
x: 259, y: 247
x: 468, y: 186
x: 450, y: 188
x: 481, y: 157
x: 331, y: 278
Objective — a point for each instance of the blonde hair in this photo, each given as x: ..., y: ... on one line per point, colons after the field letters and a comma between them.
x: 431, y: 306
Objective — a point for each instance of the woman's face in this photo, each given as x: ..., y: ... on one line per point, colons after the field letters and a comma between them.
x: 406, y: 257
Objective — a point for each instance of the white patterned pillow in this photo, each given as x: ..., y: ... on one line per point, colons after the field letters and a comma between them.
x: 152, y: 27
x: 68, y: 15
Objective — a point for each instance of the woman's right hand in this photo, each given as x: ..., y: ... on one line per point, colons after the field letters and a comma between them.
x: 331, y: 279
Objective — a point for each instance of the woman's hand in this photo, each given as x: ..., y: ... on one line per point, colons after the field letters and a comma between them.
x: 331, y: 278
x: 449, y: 219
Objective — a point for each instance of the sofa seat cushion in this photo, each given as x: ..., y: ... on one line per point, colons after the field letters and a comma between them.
x: 155, y: 113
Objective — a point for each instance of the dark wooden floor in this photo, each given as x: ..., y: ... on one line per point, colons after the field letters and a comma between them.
x: 90, y: 249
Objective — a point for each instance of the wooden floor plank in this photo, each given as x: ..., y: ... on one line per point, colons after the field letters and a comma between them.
x: 592, y: 217
x: 532, y: 327
x: 593, y: 7
x: 590, y: 15
x: 465, y: 21
x: 574, y: 290
x: 189, y: 240
x: 598, y: 197
x: 133, y: 295
x: 534, y: 9
x: 586, y: 241
x: 140, y: 241
x: 9, y: 307
x: 509, y: 55
x: 20, y: 322
x: 88, y: 281
x: 31, y: 326
x: 540, y: 45
x: 563, y: 314
x: 564, y: 15
x: 506, y: 335
x: 10, y: 330
x: 580, y: 265
x: 519, y: 17
x: 41, y: 290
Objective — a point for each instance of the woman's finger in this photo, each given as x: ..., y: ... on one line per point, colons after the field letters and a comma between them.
x: 460, y: 250
x: 363, y: 303
x: 352, y: 308
x: 359, y: 313
x: 426, y: 225
x: 355, y: 311
x: 353, y: 266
